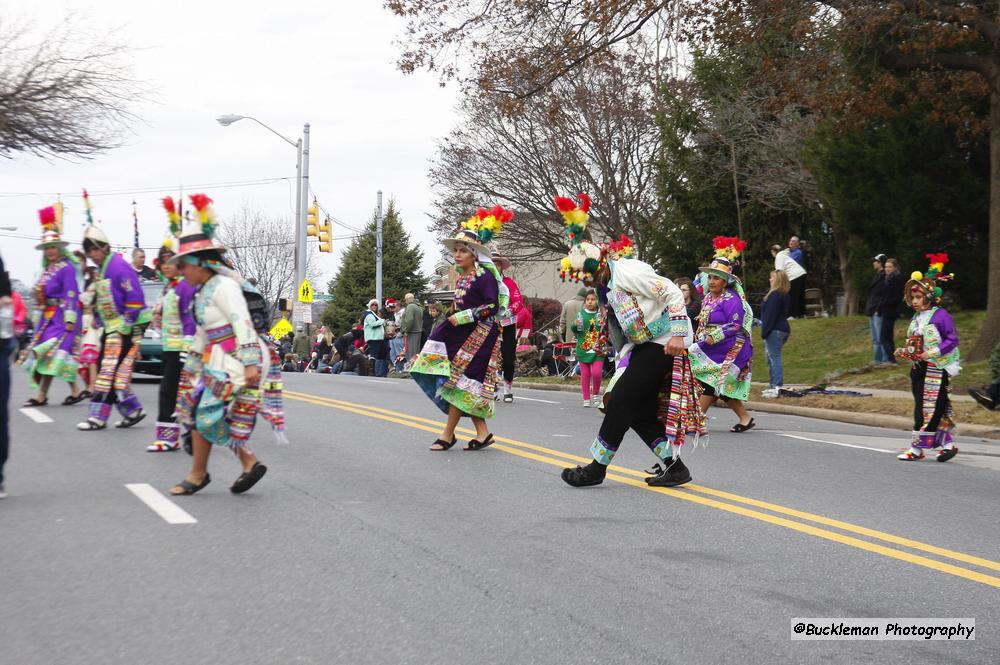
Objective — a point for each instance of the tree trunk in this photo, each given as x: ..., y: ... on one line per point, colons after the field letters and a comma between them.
x: 989, y: 335
x: 840, y: 240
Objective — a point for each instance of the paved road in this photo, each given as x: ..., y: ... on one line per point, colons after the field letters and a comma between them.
x: 360, y: 546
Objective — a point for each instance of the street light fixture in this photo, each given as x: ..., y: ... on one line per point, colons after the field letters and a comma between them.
x: 302, y: 180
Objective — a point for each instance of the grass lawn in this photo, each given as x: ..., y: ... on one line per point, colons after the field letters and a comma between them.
x: 838, y: 350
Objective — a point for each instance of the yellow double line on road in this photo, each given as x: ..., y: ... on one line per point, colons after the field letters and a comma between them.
x: 706, y: 496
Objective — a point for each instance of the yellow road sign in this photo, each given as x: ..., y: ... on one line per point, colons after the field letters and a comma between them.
x: 305, y: 292
x: 281, y: 328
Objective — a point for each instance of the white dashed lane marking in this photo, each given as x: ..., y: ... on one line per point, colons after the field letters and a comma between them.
x: 36, y: 415
x: 161, y: 505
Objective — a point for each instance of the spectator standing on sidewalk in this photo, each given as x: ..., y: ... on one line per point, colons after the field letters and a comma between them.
x: 6, y: 349
x: 374, y: 326
x: 692, y: 301
x: 567, y: 319
x: 876, y: 291
x: 775, y: 330
x: 797, y: 308
x: 795, y: 272
x: 411, y: 326
x: 892, y: 298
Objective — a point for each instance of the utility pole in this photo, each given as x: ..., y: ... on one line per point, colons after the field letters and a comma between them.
x: 302, y: 205
x: 299, y: 223
x: 378, y: 252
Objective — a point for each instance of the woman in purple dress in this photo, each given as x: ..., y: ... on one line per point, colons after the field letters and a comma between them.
x: 53, y: 349
x: 721, y: 354
x: 458, y: 366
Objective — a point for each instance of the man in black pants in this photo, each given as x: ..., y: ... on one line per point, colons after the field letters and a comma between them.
x: 7, y: 344
x: 649, y: 397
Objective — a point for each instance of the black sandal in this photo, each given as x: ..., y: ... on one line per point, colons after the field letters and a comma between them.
x: 476, y: 444
x: 70, y: 400
x: 128, y: 421
x: 248, y: 479
x: 739, y: 428
x: 443, y: 445
x: 35, y: 402
x: 189, y: 487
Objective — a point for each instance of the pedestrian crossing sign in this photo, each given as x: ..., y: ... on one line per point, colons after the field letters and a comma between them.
x: 281, y: 328
x: 305, y: 292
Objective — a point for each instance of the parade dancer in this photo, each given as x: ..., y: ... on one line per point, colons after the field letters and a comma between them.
x: 653, y: 391
x: 723, y: 350
x: 932, y: 349
x: 508, y: 320
x: 459, y: 364
x: 53, y: 350
x: 173, y: 317
x: 230, y: 373
x: 118, y: 305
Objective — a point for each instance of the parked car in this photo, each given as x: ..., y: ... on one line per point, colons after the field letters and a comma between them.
x: 150, y: 347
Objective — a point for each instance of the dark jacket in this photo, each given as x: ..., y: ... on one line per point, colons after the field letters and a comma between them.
x: 343, y: 344
x: 892, y: 296
x: 876, y: 290
x: 774, y: 314
x: 4, y: 280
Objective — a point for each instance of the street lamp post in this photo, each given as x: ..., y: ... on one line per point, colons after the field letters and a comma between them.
x: 302, y: 188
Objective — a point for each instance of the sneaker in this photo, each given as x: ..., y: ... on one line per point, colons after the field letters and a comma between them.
x: 586, y: 403
x: 3, y: 492
x: 947, y: 453
x: 908, y: 456
x: 770, y: 393
x: 595, y: 402
x: 674, y: 473
x: 982, y: 398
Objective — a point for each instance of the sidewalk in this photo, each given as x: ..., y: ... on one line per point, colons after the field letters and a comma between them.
x: 782, y: 406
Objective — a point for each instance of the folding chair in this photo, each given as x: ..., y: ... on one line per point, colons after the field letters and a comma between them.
x: 565, y: 353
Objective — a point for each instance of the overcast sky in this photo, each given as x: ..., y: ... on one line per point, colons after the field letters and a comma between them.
x: 329, y: 63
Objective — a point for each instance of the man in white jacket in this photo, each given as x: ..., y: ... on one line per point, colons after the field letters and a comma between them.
x: 784, y: 260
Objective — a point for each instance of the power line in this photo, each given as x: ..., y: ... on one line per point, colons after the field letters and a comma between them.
x: 158, y: 189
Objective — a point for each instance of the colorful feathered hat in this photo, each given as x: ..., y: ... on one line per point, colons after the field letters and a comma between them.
x: 584, y: 258
x: 727, y: 250
x: 928, y: 282
x: 477, y: 231
x: 92, y: 232
x: 198, y: 233
x: 169, y: 246
x: 51, y: 219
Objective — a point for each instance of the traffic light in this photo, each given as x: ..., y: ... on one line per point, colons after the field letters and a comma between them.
x: 326, y: 236
x: 312, y: 219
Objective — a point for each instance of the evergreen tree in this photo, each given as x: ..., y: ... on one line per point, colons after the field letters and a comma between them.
x: 354, y: 284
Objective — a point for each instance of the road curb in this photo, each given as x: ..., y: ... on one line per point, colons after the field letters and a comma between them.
x: 867, y: 419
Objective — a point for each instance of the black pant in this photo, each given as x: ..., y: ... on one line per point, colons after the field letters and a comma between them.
x: 888, y: 343
x: 508, y: 351
x: 797, y: 298
x: 168, y: 386
x: 917, y: 375
x: 111, y: 397
x: 634, y: 399
x: 7, y: 347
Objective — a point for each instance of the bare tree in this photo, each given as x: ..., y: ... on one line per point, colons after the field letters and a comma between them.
x: 517, y: 48
x: 262, y: 248
x: 62, y: 94
x: 593, y: 131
